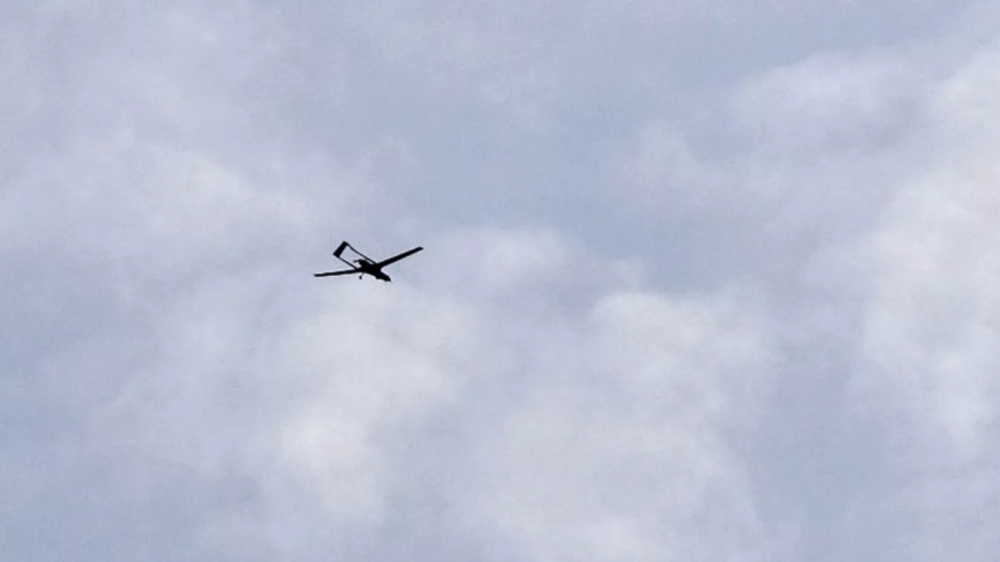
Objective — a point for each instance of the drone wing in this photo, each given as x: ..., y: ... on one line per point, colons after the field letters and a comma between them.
x: 332, y: 273
x: 398, y: 257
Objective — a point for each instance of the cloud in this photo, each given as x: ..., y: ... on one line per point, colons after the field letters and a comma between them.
x: 701, y: 281
x: 830, y: 103
x: 931, y: 321
x: 622, y: 451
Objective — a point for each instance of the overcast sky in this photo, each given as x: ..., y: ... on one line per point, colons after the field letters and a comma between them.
x: 704, y: 280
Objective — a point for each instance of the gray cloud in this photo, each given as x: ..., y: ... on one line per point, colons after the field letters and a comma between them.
x: 702, y: 281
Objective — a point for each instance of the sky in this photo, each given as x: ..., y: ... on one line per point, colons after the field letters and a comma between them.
x: 703, y: 280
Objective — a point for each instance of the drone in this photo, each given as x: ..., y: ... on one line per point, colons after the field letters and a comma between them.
x: 363, y: 265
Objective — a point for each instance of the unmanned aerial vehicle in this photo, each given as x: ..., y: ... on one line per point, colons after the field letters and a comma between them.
x: 364, y: 265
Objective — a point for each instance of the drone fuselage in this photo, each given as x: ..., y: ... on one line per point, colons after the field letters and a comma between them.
x: 366, y: 267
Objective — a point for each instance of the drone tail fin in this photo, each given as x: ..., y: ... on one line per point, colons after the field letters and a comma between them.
x: 340, y: 249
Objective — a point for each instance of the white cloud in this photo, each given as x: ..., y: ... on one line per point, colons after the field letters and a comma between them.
x: 618, y: 441
x: 380, y: 361
x: 933, y: 315
x: 176, y: 172
x: 932, y: 323
x: 624, y: 450
x: 830, y: 102
x: 806, y: 144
